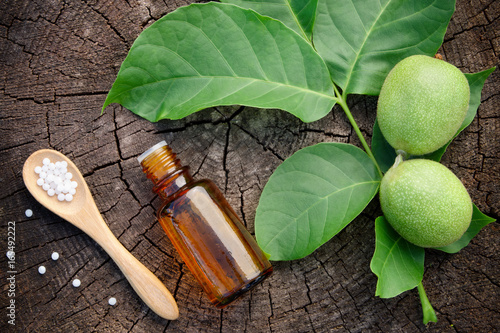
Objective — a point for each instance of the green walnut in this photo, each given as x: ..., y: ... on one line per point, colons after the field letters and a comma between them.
x: 422, y: 104
x: 425, y: 202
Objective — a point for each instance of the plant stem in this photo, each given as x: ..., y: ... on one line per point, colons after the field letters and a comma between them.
x: 428, y: 311
x: 341, y: 100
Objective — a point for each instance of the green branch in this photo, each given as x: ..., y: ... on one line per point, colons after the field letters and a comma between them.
x: 341, y: 100
x: 428, y: 311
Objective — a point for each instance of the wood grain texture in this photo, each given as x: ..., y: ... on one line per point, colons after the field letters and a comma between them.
x: 58, y: 59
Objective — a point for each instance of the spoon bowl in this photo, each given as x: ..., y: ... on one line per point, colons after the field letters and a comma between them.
x: 82, y: 212
x: 62, y: 208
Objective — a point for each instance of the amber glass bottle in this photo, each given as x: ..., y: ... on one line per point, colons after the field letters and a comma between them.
x: 207, y: 233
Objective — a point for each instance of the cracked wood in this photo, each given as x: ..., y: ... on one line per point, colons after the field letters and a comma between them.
x: 59, y: 59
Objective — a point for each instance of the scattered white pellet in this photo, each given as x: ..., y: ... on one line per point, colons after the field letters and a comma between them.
x: 41, y: 270
x: 55, y: 256
x: 76, y: 283
x: 28, y: 213
x: 112, y: 301
x: 55, y: 179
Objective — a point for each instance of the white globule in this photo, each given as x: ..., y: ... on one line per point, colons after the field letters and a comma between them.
x: 55, y: 179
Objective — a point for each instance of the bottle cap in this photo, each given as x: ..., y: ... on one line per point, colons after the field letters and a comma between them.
x: 150, y: 150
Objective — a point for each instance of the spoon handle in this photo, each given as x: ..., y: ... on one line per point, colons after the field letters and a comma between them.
x: 151, y: 290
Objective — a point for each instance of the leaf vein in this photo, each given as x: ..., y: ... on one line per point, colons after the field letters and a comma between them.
x: 355, y: 60
x: 329, y: 97
x: 223, y: 58
x: 248, y: 42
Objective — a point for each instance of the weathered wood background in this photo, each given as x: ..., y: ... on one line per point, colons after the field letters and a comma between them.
x: 58, y: 59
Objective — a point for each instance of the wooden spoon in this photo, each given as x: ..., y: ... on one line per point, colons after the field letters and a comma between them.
x: 83, y: 213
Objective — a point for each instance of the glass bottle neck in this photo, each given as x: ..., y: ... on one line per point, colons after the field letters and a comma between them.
x: 164, y: 169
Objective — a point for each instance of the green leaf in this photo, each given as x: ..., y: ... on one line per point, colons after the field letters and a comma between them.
x: 381, y: 149
x: 385, y: 154
x: 361, y: 40
x: 205, y: 55
x: 476, y: 83
x: 398, y: 264
x: 311, y: 196
x: 479, y: 221
x: 298, y: 15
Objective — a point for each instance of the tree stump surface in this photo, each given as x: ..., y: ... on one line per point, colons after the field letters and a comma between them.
x: 58, y: 59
